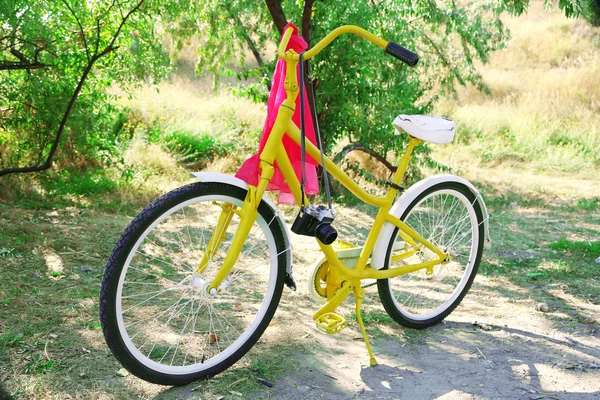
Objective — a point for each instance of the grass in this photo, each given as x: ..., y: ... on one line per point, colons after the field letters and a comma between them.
x: 576, y: 248
x: 545, y: 242
x: 196, y: 151
x: 49, y: 330
x: 184, y: 104
x: 243, y: 379
x: 587, y: 204
x: 373, y: 317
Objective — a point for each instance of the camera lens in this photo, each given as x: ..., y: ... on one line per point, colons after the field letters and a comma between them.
x: 326, y: 233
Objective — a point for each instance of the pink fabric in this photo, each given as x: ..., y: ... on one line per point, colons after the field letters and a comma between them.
x: 249, y: 171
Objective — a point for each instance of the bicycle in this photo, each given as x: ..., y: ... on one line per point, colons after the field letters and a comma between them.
x: 196, y: 277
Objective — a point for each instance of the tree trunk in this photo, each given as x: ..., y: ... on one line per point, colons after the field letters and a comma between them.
x: 310, y: 88
x: 306, y: 21
x: 280, y: 21
x: 277, y: 14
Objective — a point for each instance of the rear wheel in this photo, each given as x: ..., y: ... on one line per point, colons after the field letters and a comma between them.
x: 449, y: 216
x: 157, y: 316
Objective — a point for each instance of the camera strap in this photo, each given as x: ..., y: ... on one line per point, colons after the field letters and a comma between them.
x: 303, y: 139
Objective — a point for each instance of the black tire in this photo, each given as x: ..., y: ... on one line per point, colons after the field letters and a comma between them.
x: 404, y: 297
x: 159, y: 233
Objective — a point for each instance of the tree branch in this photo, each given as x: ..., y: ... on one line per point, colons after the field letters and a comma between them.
x: 244, y: 34
x: 111, y: 47
x: 6, y: 65
x: 23, y: 62
x: 123, y: 21
x: 357, y: 146
x: 81, y: 31
x: 19, y: 55
x: 48, y: 163
x: 438, y: 51
x: 97, y: 36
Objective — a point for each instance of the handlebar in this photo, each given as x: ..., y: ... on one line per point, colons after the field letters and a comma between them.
x: 391, y: 48
x: 402, y: 54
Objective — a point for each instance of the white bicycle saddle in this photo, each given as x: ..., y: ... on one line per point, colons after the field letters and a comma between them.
x: 426, y: 127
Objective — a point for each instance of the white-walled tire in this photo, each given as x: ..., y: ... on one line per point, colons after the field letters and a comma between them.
x: 449, y: 215
x: 157, y: 317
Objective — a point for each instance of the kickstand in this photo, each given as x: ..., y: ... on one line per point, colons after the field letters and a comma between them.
x: 359, y: 293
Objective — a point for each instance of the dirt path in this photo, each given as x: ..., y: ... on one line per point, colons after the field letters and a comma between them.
x: 496, y: 345
x: 521, y: 356
x: 513, y: 352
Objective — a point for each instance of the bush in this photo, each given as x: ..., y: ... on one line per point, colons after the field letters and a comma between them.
x: 194, y: 151
x: 90, y: 182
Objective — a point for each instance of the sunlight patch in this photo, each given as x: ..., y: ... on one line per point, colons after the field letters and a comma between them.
x: 54, y: 263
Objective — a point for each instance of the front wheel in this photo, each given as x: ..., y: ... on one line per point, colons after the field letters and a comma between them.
x: 449, y: 216
x: 157, y: 315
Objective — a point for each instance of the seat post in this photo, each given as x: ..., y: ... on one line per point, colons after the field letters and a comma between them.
x: 403, y: 164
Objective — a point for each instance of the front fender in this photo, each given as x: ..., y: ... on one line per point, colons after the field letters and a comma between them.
x: 400, y: 206
x: 232, y: 180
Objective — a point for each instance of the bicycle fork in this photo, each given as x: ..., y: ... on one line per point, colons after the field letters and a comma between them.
x: 227, y: 212
x: 248, y: 213
x: 247, y: 216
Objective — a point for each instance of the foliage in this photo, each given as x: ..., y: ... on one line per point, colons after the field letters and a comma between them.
x: 360, y: 89
x: 228, y: 29
x: 47, y: 48
x: 90, y: 182
x: 192, y: 148
x: 375, y: 87
x: 47, y: 51
x: 591, y: 11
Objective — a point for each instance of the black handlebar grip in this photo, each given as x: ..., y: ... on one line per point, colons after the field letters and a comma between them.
x: 402, y: 54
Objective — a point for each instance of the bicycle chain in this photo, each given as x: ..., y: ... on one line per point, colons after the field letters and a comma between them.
x: 369, y: 285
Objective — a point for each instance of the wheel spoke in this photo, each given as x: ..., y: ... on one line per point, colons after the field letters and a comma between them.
x: 446, y: 217
x: 154, y: 275
x: 176, y: 306
x: 166, y: 316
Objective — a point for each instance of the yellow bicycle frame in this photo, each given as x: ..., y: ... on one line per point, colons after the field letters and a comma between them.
x: 275, y: 152
x: 341, y: 280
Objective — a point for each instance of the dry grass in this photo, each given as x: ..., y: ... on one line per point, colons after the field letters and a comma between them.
x: 544, y: 107
x: 187, y: 105
x: 152, y: 159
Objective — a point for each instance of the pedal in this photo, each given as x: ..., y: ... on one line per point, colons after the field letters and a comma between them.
x: 331, y: 323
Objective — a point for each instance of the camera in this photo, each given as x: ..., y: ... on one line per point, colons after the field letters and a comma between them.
x: 316, y: 221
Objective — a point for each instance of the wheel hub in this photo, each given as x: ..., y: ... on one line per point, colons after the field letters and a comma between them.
x: 200, y: 285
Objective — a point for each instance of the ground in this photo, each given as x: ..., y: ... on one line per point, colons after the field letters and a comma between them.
x: 528, y: 329
x: 499, y: 344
